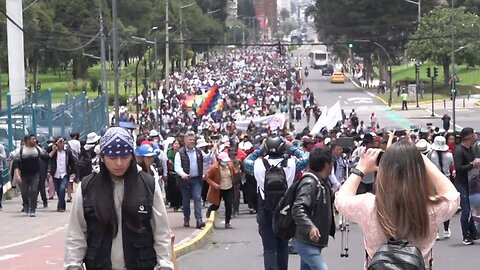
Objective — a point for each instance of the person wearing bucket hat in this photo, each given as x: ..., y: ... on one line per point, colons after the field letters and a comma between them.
x: 114, y: 221
x: 443, y: 159
x: 423, y: 146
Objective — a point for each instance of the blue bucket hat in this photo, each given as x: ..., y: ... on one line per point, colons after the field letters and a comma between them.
x: 145, y: 150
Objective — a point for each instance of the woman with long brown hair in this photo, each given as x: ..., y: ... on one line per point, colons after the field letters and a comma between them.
x: 412, y: 197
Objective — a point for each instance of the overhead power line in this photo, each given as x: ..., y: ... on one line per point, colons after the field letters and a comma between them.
x: 48, y: 46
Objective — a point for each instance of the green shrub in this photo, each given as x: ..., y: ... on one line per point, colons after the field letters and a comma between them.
x: 122, y: 100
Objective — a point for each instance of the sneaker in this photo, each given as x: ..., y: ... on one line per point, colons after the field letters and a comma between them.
x: 228, y: 226
x: 45, y: 204
x: 32, y: 214
x: 438, y: 236
x: 468, y: 242
x: 447, y: 233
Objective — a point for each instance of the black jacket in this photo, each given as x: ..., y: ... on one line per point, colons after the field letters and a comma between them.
x: 138, y: 247
x: 313, y: 208
x: 71, y: 160
x: 462, y: 158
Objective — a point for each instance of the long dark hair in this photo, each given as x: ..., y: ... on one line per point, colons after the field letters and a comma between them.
x: 403, y: 193
x: 104, y: 201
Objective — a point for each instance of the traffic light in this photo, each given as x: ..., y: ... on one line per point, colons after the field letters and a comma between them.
x: 453, y: 91
x: 435, y: 72
x: 429, y: 72
x: 417, y: 69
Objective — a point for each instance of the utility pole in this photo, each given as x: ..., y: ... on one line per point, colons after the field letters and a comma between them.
x: 167, y: 56
x: 103, y: 66
x: 453, y: 82
x: 156, y: 85
x: 182, y: 47
x: 115, y: 60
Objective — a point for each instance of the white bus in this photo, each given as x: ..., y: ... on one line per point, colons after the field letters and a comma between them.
x: 319, y: 57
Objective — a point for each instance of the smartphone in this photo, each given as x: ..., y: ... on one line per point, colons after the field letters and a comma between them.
x: 379, y: 157
x: 400, y: 133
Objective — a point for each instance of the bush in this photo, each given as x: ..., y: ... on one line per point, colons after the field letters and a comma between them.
x: 94, y: 83
x: 122, y: 100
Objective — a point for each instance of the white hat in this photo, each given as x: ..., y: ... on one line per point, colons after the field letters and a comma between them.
x: 423, y: 146
x: 440, y: 144
x: 246, y: 146
x: 223, y: 156
x: 202, y: 143
x: 92, y: 137
x: 153, y: 133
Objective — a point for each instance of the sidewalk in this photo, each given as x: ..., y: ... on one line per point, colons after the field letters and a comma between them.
x: 42, y: 238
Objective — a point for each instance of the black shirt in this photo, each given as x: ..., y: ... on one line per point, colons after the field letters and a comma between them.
x: 462, y: 157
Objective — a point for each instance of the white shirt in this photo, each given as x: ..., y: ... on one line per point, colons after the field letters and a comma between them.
x: 61, y: 165
x: 259, y: 172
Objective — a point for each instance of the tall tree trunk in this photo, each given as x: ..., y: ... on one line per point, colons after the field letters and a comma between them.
x: 446, y: 70
x: 382, y: 66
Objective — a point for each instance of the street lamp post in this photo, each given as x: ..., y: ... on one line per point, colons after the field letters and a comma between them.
x: 115, y: 59
x: 417, y: 75
x: 453, y: 82
x: 167, y: 56
x: 182, y: 46
x: 155, y: 73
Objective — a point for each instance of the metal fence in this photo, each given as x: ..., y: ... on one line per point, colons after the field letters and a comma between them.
x: 38, y: 115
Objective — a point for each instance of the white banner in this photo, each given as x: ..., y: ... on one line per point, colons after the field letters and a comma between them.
x: 274, y: 121
x: 328, y: 119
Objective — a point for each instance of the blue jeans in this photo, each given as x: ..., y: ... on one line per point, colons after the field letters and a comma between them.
x: 275, y: 250
x: 60, y: 185
x: 192, y: 189
x: 310, y: 256
x: 465, y: 220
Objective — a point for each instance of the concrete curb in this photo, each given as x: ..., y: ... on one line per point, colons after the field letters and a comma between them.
x: 197, y: 239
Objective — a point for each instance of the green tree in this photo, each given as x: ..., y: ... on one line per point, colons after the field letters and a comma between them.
x: 433, y: 40
x: 387, y: 22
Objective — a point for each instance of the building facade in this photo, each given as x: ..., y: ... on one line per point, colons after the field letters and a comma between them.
x: 266, y: 13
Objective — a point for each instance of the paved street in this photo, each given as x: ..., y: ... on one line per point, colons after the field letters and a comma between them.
x: 38, y: 243
x: 241, y: 248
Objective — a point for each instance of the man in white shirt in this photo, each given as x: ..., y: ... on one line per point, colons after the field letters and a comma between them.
x: 275, y: 250
x: 62, y: 165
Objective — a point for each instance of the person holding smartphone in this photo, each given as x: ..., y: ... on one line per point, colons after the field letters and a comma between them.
x: 411, y: 198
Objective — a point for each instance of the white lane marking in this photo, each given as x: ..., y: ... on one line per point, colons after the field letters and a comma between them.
x: 34, y: 238
x: 8, y: 256
x: 346, y: 102
x: 50, y: 263
x: 370, y: 94
x: 47, y: 246
x: 339, y: 96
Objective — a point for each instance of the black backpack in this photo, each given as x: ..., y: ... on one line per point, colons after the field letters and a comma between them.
x: 275, y: 184
x: 283, y: 224
x: 398, y: 255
